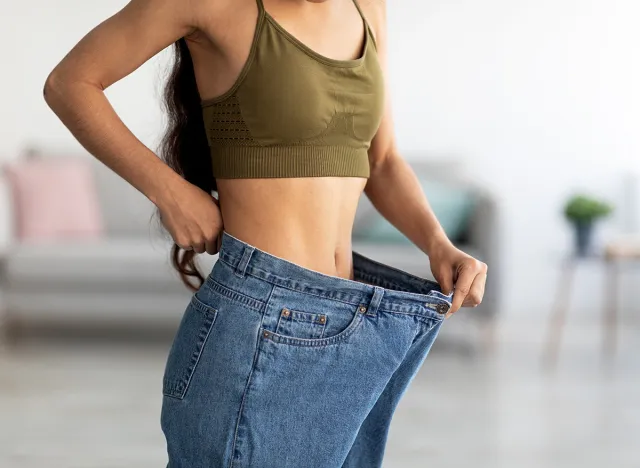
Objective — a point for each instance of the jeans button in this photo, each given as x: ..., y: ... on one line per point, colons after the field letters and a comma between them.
x: 442, y: 309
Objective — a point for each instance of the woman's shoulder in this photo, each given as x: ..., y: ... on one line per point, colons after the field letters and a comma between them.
x: 375, y: 13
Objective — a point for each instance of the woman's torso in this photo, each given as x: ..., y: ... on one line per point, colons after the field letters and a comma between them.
x: 307, y: 220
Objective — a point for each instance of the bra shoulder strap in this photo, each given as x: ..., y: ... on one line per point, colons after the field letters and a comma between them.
x: 364, y: 20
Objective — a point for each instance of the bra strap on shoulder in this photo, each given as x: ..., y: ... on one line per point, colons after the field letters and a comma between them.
x: 364, y: 20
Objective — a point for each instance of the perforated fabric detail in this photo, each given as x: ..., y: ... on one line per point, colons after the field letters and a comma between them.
x: 225, y: 125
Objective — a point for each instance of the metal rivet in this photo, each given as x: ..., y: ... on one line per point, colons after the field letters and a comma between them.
x: 363, y: 309
x: 285, y: 312
x: 265, y: 334
x: 322, y: 319
x: 442, y: 308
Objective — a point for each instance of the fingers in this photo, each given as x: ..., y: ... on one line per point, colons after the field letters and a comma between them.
x: 197, y: 227
x: 476, y: 292
x: 195, y: 243
x: 462, y: 288
x: 199, y: 247
x: 219, y: 242
x: 445, y: 279
x: 469, y: 287
x: 183, y: 243
x: 210, y: 246
x: 209, y: 242
x: 214, y: 243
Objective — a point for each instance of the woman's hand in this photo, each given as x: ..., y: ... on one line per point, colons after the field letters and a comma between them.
x: 452, y: 267
x: 191, y: 216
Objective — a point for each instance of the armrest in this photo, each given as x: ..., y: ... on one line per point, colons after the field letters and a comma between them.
x: 486, y: 236
x: 6, y: 215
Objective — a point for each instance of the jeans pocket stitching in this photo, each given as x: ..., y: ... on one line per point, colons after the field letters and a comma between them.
x: 177, y: 385
x: 433, y: 324
x: 355, y: 323
x: 314, y: 319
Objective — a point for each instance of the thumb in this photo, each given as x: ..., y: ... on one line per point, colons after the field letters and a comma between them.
x: 446, y: 281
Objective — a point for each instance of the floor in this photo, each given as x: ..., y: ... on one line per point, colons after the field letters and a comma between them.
x: 97, y: 405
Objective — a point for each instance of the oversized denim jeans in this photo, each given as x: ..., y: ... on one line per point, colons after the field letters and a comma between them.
x: 278, y: 366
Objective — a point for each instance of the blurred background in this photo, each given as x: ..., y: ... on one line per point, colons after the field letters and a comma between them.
x: 521, y: 119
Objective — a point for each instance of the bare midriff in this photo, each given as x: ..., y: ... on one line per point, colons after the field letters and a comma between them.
x: 307, y: 221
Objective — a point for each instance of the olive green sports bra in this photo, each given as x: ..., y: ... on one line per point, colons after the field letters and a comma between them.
x: 295, y: 113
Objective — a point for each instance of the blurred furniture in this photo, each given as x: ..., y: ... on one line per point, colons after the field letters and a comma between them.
x: 126, y: 279
x: 481, y: 238
x: 615, y: 255
x: 122, y: 279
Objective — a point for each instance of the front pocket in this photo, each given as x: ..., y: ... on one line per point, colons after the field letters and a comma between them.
x: 184, y: 355
x: 300, y: 324
x: 333, y: 337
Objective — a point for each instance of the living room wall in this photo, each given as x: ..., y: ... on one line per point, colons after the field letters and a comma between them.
x: 36, y: 36
x: 537, y: 98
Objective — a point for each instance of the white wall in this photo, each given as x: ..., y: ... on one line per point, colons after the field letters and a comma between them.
x: 36, y: 35
x: 539, y: 97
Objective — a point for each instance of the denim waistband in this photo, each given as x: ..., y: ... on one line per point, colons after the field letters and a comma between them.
x: 393, y: 289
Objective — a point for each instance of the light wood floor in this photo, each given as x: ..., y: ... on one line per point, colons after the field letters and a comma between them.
x: 79, y: 405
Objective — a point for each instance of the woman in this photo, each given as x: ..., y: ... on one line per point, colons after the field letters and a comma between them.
x: 294, y: 351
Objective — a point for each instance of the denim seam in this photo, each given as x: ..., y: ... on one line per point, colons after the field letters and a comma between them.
x: 211, y: 319
x: 280, y: 284
x: 381, y: 282
x: 422, y: 317
x: 433, y: 325
x: 246, y: 387
x: 171, y: 388
x: 391, y: 285
x: 413, y: 278
x: 202, y: 307
x: 318, y: 325
x: 318, y: 342
x: 229, y: 293
x: 226, y: 258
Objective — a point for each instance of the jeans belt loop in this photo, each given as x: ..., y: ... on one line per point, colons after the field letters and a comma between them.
x: 241, y: 268
x: 378, y: 293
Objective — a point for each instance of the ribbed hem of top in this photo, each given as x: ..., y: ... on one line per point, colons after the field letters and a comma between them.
x: 238, y: 162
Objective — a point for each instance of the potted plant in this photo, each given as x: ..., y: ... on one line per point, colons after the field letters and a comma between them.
x: 582, y: 211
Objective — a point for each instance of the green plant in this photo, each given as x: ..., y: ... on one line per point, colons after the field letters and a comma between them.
x: 584, y: 209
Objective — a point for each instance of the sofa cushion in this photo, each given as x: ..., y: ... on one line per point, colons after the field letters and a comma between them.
x: 54, y: 198
x: 452, y: 204
x: 118, y: 264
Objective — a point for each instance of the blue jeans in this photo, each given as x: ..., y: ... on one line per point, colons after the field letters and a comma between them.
x: 277, y: 366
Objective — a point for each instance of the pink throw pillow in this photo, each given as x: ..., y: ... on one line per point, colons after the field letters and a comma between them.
x: 54, y: 198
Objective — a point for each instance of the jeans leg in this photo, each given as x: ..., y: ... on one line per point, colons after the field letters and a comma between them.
x: 369, y: 446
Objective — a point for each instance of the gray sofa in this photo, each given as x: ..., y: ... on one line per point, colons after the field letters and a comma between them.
x: 123, y: 279
x: 126, y: 279
x: 472, y: 329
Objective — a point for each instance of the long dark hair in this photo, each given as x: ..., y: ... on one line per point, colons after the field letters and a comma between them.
x: 184, y: 145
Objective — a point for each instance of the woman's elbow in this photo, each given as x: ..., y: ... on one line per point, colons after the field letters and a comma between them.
x: 52, y: 88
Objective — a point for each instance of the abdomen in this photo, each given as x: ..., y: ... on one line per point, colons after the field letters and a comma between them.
x: 307, y: 221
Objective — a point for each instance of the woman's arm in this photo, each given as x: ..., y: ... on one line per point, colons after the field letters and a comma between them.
x: 74, y: 90
x: 396, y: 193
